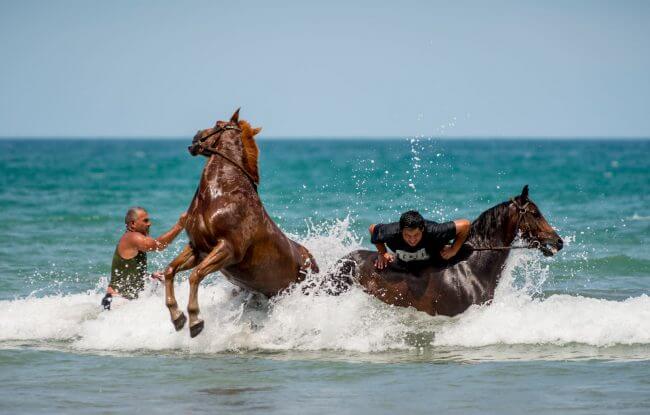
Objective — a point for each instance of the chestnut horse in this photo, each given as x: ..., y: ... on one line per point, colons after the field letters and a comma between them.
x: 228, y: 227
x: 470, y: 277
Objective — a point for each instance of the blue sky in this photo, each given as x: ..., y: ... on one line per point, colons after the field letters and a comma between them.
x: 328, y: 69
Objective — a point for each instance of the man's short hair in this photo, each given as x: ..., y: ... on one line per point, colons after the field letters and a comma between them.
x: 411, y: 219
x: 132, y: 214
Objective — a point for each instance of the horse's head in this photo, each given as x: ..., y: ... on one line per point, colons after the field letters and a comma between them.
x: 237, y: 136
x: 533, y: 226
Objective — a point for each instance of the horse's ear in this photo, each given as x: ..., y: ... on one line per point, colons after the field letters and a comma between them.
x: 256, y: 131
x: 235, y: 116
x: 524, y: 193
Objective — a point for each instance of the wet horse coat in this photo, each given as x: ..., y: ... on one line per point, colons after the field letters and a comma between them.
x: 470, y: 277
x: 228, y: 228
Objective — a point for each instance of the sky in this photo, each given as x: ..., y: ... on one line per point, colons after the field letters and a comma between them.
x: 325, y: 69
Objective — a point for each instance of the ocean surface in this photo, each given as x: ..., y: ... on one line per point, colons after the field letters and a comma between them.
x: 567, y: 334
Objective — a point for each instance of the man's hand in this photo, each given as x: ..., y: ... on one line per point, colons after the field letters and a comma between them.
x: 448, y: 252
x: 106, y: 301
x: 182, y: 220
x: 462, y: 231
x: 384, y: 259
x: 158, y: 276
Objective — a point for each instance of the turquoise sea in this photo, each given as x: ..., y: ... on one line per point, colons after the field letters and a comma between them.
x: 568, y: 334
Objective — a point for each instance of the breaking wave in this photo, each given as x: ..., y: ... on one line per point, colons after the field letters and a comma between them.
x: 520, y: 314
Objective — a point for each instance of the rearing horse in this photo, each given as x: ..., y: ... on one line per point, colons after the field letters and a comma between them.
x: 470, y: 277
x: 228, y: 227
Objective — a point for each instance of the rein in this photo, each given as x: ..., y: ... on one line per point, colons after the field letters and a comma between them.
x: 532, y: 245
x: 214, y: 151
x: 522, y: 211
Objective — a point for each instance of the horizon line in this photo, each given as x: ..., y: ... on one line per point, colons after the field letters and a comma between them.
x: 338, y: 138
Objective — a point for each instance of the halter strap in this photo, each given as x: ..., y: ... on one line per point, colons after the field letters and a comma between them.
x: 220, y: 129
x: 521, y: 208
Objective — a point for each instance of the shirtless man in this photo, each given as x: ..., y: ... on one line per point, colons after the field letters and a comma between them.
x: 129, y: 267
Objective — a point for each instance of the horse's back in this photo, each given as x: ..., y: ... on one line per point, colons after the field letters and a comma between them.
x: 447, y: 289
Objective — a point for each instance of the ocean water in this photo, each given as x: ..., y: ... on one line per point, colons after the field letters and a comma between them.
x: 564, y: 334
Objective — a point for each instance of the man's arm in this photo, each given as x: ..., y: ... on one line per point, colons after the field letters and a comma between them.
x: 147, y: 243
x: 384, y: 257
x: 462, y: 231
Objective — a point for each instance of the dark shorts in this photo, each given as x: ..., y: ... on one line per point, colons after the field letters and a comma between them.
x: 413, y: 267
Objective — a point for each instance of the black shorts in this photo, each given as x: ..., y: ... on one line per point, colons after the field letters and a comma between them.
x: 413, y: 267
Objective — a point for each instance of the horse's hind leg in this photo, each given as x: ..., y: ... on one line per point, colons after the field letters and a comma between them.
x: 185, y: 260
x: 220, y: 256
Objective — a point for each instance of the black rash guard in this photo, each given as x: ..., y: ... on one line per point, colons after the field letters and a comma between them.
x: 434, y: 237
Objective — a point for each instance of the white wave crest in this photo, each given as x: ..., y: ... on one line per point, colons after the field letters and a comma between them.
x: 638, y: 217
x: 558, y: 320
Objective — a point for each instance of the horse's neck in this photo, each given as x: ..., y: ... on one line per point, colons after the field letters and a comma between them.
x: 222, y: 175
x: 491, y: 230
x: 231, y: 150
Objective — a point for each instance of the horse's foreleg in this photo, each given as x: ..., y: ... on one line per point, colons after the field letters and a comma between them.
x: 185, y: 260
x: 220, y: 256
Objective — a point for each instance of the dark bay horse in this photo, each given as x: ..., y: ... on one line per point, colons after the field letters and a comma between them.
x: 228, y: 227
x: 470, y: 277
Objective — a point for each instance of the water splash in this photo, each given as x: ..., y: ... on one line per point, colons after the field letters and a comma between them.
x: 308, y: 320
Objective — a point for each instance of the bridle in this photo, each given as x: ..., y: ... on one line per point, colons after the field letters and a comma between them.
x: 214, y: 151
x: 522, y: 210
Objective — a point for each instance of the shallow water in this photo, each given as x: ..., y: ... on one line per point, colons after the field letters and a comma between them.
x: 569, y: 333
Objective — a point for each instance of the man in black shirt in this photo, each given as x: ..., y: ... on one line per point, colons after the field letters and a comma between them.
x: 417, y: 242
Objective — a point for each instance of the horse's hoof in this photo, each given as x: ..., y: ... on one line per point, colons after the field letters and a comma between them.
x: 196, y: 329
x: 179, y: 323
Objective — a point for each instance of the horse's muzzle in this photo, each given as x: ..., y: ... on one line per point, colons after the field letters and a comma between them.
x: 550, y: 247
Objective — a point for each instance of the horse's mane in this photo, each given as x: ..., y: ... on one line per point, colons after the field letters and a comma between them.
x: 484, y: 228
x: 251, y: 152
